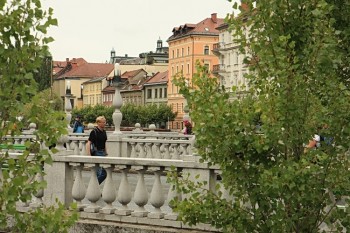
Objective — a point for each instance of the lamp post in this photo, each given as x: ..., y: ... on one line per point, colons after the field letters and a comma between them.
x: 117, y: 103
x: 68, y: 105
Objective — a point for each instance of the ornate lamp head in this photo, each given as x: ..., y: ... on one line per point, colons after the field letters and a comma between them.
x: 68, y: 89
x: 117, y: 79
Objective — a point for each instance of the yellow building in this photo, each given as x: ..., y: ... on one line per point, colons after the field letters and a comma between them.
x: 189, y: 43
x: 74, y: 73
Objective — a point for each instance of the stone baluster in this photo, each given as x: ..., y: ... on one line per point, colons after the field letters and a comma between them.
x: 173, y: 194
x: 166, y: 151
x: 69, y: 144
x: 142, y: 153
x: 161, y: 151
x: 148, y: 148
x: 109, y: 192
x: 183, y: 149
x: 60, y: 144
x: 38, y: 201
x: 79, y: 188
x: 175, y: 153
x: 124, y: 192
x: 17, y: 140
x: 76, y: 147
x: 133, y: 150
x: 83, y: 148
x: 141, y: 194
x: 23, y: 141
x: 157, y: 196
x: 93, y: 193
x: 156, y: 150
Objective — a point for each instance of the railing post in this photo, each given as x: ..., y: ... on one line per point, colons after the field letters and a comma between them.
x: 59, y: 178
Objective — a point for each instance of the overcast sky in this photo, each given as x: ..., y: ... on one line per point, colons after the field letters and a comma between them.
x: 91, y: 28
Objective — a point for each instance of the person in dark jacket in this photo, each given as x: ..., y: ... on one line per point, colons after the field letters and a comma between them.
x: 98, y: 138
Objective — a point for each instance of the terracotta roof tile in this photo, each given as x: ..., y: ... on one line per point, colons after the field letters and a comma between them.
x: 130, y: 74
x: 205, y: 27
x: 81, y: 68
x: 159, y: 77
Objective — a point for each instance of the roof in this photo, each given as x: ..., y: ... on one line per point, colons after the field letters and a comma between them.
x: 133, y: 73
x: 94, y: 80
x: 81, y: 68
x: 158, y: 78
x: 58, y: 66
x: 205, y: 27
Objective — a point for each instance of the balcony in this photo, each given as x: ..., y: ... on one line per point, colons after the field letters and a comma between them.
x: 217, y: 48
x: 219, y: 68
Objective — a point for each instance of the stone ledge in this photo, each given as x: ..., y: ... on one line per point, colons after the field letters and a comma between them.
x: 111, y: 223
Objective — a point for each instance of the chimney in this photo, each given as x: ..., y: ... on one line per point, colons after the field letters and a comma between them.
x: 214, y: 17
x: 67, y: 59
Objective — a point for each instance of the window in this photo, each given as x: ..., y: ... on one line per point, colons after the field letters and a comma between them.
x: 155, y: 93
x: 206, y: 67
x: 188, y: 50
x: 188, y: 68
x: 173, y: 53
x: 236, y: 58
x: 160, y: 93
x: 149, y: 93
x: 165, y: 92
x: 177, y: 53
x: 182, y: 52
x: 206, y: 50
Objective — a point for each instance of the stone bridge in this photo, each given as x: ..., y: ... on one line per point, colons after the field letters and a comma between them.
x: 135, y: 195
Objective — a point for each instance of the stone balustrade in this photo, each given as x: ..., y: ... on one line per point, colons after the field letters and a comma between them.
x: 148, y: 144
x: 135, y: 190
x: 123, y: 197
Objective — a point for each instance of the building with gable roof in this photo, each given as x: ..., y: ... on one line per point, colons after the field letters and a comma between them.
x: 74, y: 73
x: 188, y: 44
x: 155, y: 89
x: 131, y: 92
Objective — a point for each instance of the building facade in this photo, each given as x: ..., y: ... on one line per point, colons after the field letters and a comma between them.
x: 156, y: 89
x: 74, y: 73
x: 188, y: 44
x: 131, y: 91
x: 230, y: 70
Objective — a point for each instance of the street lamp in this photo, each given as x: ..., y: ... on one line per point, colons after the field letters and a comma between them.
x: 117, y: 81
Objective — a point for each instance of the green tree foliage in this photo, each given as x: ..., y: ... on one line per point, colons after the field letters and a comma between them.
x: 43, y: 75
x: 341, y: 13
x: 294, y: 60
x: 132, y: 114
x: 23, y: 25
